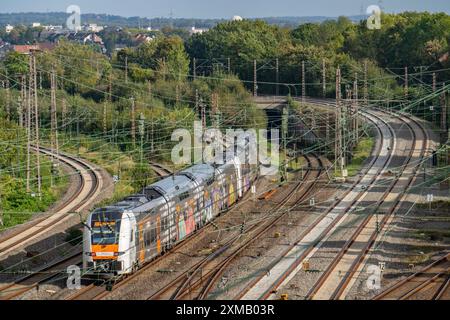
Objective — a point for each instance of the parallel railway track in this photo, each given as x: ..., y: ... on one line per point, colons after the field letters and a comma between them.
x: 266, y: 286
x: 53, y: 269
x: 37, y: 277
x: 430, y: 283
x: 199, y: 280
x: 89, y: 187
x: 96, y: 292
x: 90, y: 184
x: 160, y: 169
x: 351, y: 255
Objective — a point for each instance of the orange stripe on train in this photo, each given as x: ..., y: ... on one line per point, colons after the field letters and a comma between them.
x: 99, y: 249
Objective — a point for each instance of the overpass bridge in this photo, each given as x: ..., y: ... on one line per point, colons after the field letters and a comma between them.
x: 299, y: 129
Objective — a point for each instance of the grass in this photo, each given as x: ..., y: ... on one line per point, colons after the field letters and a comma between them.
x: 297, y: 163
x: 418, y: 259
x: 435, y: 235
x: 19, y: 206
x: 360, y: 155
x: 116, y: 162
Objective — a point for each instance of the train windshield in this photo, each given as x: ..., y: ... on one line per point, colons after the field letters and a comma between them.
x: 105, y: 225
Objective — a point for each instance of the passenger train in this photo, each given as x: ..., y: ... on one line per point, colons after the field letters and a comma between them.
x: 119, y: 239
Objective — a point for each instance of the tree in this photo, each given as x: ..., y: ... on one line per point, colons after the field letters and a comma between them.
x: 172, y: 57
x: 84, y: 68
x: 16, y: 63
x: 246, y: 40
x: 165, y: 55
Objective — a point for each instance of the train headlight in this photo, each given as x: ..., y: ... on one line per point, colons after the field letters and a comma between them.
x: 90, y: 254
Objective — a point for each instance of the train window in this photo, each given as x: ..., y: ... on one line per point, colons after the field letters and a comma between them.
x: 147, y: 237
x: 152, y: 194
x: 165, y: 223
x: 184, y: 196
x: 150, y: 235
x: 153, y: 233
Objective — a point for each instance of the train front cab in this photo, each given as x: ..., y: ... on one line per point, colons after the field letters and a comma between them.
x: 109, y: 247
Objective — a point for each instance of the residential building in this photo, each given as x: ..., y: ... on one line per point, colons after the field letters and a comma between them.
x: 26, y: 49
x: 143, y: 38
x: 92, y: 27
x: 194, y: 30
x: 9, y: 28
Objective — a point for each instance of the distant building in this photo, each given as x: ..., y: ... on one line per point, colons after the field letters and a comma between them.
x: 5, y: 47
x: 26, y: 49
x: 120, y: 46
x: 237, y: 18
x: 142, y: 38
x: 53, y: 28
x: 92, y: 27
x: 194, y: 30
x: 84, y: 38
x: 36, y: 24
x: 9, y: 28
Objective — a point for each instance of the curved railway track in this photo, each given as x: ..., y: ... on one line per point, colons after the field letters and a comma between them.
x: 198, y: 281
x: 160, y: 169
x: 94, y: 291
x: 98, y: 292
x: 351, y: 256
x: 90, y: 185
x: 37, y: 277
x: 264, y: 287
x: 332, y: 284
x: 53, y: 269
x: 430, y: 283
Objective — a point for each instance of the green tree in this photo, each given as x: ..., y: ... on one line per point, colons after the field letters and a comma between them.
x: 16, y: 63
x: 83, y: 67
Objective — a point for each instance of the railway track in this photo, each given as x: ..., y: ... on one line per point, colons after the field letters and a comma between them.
x: 160, y: 169
x: 37, y: 277
x: 53, y: 269
x: 348, y: 251
x: 95, y: 291
x: 430, y: 283
x: 98, y: 292
x: 334, y: 282
x: 265, y: 287
x: 199, y: 280
x: 90, y: 185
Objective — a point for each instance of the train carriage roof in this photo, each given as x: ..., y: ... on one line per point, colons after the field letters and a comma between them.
x: 199, y: 172
x: 168, y: 186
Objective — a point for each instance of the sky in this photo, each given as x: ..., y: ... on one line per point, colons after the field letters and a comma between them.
x: 225, y: 8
